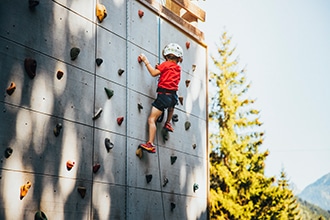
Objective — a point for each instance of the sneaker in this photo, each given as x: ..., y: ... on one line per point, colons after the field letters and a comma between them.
x: 168, y: 127
x: 148, y: 147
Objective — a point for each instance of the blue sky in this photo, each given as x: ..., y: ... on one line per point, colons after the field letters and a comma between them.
x: 285, y: 46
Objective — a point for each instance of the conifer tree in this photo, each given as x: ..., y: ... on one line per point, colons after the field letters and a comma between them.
x: 238, y: 187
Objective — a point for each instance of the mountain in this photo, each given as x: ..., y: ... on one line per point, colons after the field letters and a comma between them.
x: 318, y: 193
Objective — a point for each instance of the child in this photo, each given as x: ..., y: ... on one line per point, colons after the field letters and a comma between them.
x: 169, y: 73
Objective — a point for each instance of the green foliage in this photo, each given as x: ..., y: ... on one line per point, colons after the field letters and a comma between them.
x: 238, y: 187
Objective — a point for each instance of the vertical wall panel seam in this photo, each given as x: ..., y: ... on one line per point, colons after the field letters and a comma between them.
x: 126, y: 115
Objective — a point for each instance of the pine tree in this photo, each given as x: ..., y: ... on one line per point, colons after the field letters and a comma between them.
x: 238, y: 187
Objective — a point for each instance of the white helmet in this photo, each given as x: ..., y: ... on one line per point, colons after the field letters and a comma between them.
x: 173, y: 48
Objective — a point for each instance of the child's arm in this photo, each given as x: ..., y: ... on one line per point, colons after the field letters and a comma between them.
x: 152, y: 71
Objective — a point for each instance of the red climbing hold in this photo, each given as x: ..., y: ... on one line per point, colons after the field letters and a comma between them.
x: 187, y: 44
x: 141, y: 13
x: 120, y: 120
x: 96, y: 167
x: 10, y: 90
x: 139, y: 59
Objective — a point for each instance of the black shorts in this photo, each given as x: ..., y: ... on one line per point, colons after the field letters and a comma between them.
x: 164, y: 101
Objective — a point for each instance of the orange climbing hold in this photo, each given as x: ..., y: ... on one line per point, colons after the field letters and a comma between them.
x: 140, y: 13
x: 120, y: 120
x: 30, y: 66
x: 10, y: 90
x: 24, y: 189
x: 70, y: 164
x: 101, y: 12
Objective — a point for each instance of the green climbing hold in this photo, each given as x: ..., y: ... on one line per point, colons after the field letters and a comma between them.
x: 187, y: 125
x: 40, y: 215
x: 165, y: 181
x: 8, y: 152
x: 175, y: 118
x: 109, y: 92
x: 172, y: 206
x: 57, y: 129
x: 195, y: 187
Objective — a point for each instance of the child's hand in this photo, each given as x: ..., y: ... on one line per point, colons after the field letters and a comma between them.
x: 143, y: 58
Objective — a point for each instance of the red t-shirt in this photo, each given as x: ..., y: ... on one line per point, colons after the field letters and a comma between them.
x: 169, y: 75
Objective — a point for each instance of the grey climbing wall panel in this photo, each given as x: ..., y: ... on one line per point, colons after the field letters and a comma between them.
x: 124, y: 186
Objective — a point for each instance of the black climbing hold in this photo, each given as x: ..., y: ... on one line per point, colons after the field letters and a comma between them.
x: 172, y: 206
x: 181, y: 100
x: 187, y: 125
x: 165, y: 181
x: 195, y: 187
x: 187, y: 82
x: 98, y: 61
x: 160, y: 118
x: 59, y: 74
x: 165, y: 134
x: 82, y: 191
x: 97, y: 114
x: 33, y: 3
x: 120, y: 72
x: 40, y: 215
x: 10, y: 90
x: 140, y: 106
x: 175, y: 118
x: 108, y: 144
x: 173, y: 159
x: 194, y: 146
x: 148, y: 178
x: 30, y: 66
x: 109, y: 92
x: 57, y: 129
x: 8, y: 152
x: 74, y: 52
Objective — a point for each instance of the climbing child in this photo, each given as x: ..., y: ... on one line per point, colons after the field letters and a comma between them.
x: 169, y: 73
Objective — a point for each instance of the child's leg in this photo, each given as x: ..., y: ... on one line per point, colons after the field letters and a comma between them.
x: 154, y: 114
x: 169, y: 114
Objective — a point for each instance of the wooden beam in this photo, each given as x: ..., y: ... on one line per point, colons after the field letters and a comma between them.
x: 192, y: 8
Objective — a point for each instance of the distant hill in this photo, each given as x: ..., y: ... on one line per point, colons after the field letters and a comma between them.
x: 309, y: 211
x: 318, y: 193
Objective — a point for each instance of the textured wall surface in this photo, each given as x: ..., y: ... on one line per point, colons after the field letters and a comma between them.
x: 31, y: 152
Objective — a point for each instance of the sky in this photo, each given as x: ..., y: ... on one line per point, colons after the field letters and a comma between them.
x: 285, y: 47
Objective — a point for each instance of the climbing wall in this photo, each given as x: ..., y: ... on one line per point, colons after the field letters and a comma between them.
x: 74, y: 109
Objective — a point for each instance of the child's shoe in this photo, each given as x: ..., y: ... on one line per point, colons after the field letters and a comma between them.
x: 168, y: 127
x: 148, y: 147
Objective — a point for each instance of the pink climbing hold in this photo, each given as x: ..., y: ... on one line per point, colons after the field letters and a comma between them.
x: 140, y: 13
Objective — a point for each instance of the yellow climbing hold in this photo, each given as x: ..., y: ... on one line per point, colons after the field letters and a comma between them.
x: 101, y: 12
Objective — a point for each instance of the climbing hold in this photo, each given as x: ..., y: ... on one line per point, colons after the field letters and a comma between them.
x: 195, y: 187
x: 120, y: 120
x: 8, y: 152
x: 57, y: 129
x: 172, y: 206
x: 187, y: 82
x: 82, y: 191
x: 109, y: 92
x: 140, y: 106
x: 160, y: 118
x: 120, y: 72
x: 33, y: 3
x: 181, y: 100
x: 74, y: 52
x: 187, y: 125
x: 194, y: 146
x: 139, y: 59
x: 175, y: 118
x: 173, y: 159
x: 101, y: 12
x: 40, y: 215
x: 10, y: 90
x: 193, y: 67
x: 148, y: 178
x: 139, y: 152
x: 30, y: 66
x: 70, y: 164
x: 59, y: 74
x: 97, y: 114
x: 165, y: 134
x: 96, y: 167
x: 24, y: 189
x: 140, y: 13
x: 165, y: 181
x: 108, y: 144
x: 98, y: 61
x: 187, y: 44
